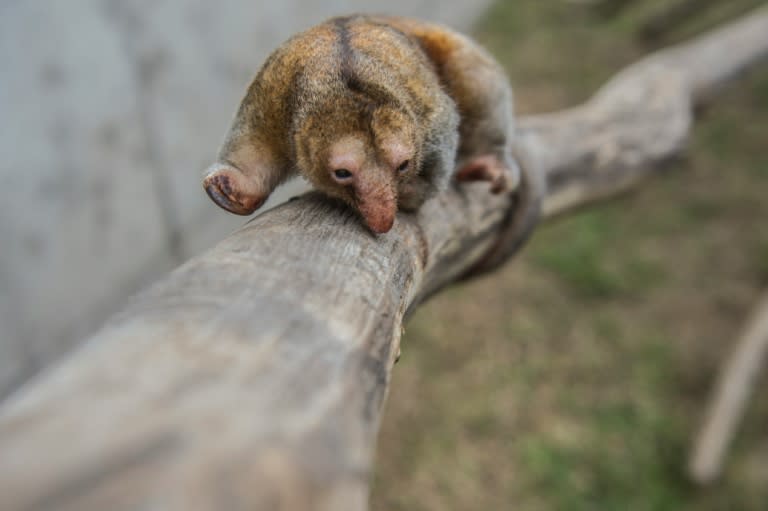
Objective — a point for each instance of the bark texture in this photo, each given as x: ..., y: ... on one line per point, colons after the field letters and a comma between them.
x: 253, y: 376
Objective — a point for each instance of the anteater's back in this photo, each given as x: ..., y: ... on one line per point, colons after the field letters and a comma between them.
x: 345, y: 63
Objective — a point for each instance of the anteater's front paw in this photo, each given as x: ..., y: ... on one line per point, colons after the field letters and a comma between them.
x: 230, y: 189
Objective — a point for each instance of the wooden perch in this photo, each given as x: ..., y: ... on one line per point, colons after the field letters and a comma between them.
x: 734, y: 387
x: 253, y: 376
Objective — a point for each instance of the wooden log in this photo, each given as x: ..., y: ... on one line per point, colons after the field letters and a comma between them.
x: 253, y: 376
x: 739, y: 376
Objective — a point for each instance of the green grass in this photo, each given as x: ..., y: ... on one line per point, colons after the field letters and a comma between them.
x: 592, y: 257
x: 576, y: 377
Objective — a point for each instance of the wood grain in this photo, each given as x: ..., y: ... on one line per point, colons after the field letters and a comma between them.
x: 253, y: 376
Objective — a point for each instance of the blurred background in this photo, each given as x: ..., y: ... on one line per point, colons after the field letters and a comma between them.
x: 574, y: 378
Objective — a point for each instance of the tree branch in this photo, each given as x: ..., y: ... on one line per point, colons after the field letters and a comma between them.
x: 253, y: 376
x: 736, y: 383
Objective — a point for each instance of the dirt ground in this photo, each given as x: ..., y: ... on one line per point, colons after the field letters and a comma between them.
x: 576, y: 377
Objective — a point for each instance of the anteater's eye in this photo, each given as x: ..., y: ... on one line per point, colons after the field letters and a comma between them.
x: 403, y: 166
x: 342, y: 174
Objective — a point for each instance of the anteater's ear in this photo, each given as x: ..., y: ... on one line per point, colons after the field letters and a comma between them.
x: 228, y: 187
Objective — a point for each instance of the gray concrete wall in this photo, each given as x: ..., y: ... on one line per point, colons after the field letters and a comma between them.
x: 109, y: 111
